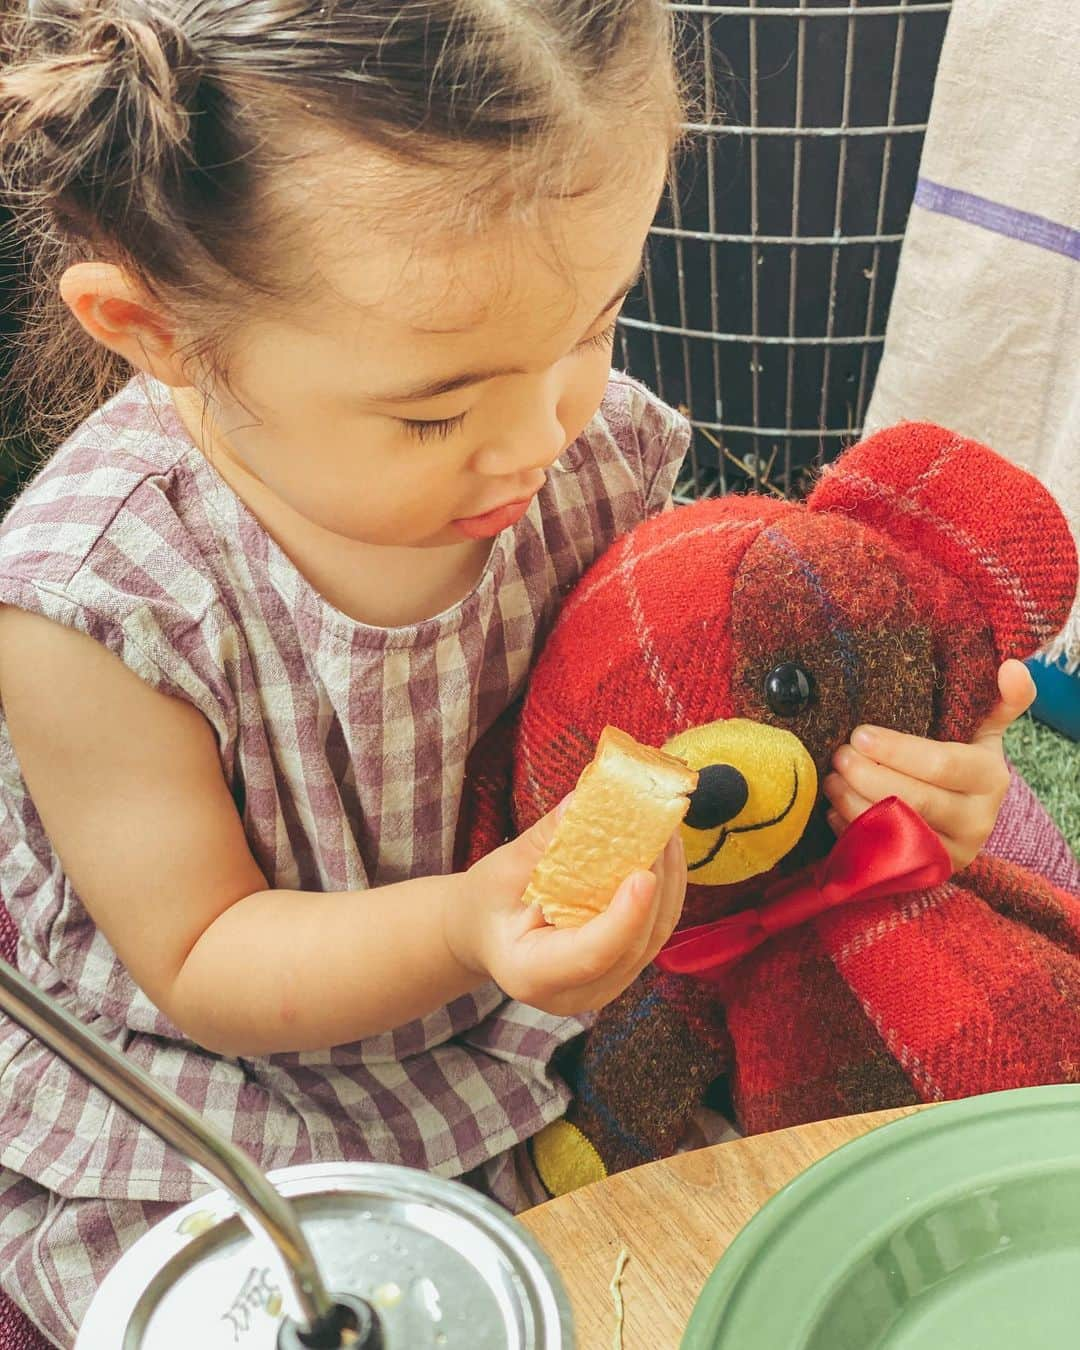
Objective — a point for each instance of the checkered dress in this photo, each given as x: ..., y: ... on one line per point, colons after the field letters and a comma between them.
x: 345, y: 747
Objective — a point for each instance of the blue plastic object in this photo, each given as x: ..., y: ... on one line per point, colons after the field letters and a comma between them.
x: 1057, y: 701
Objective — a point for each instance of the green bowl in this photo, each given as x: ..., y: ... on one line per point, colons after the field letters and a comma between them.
x: 954, y: 1229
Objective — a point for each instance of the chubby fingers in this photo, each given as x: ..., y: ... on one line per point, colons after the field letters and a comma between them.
x: 860, y: 781
x: 963, y: 819
x: 877, y: 757
x: 613, y: 941
x: 599, y: 960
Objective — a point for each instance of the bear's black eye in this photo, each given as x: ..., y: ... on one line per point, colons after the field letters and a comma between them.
x: 789, y: 689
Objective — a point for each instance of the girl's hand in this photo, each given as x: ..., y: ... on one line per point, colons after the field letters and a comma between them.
x: 560, y: 970
x: 957, y: 789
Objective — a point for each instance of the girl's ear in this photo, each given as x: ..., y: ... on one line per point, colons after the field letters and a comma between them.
x: 957, y: 504
x: 119, y: 315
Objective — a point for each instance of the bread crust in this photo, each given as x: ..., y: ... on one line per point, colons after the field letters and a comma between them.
x: 627, y: 804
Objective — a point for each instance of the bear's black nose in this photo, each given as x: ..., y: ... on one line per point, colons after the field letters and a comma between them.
x: 720, y: 795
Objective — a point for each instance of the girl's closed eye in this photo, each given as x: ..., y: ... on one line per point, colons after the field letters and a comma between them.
x: 601, y: 339
x: 425, y: 429
x: 437, y: 428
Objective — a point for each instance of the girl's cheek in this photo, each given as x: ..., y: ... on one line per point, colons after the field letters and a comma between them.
x: 584, y: 393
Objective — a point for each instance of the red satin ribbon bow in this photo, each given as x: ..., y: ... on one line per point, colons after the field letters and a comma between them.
x: 886, y: 851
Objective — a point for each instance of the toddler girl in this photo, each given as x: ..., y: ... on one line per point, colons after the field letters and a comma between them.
x: 363, y: 259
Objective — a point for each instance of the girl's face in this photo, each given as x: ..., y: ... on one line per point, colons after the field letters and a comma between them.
x: 422, y: 394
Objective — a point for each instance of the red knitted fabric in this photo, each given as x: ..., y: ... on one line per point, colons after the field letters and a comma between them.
x: 949, y: 499
x: 919, y: 563
x: 973, y: 987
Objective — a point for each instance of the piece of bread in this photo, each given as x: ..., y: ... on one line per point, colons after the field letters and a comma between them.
x: 627, y: 804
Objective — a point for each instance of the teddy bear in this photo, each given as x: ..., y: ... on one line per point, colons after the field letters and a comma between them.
x: 810, y: 976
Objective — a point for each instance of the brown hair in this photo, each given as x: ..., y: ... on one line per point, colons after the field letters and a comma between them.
x: 147, y: 132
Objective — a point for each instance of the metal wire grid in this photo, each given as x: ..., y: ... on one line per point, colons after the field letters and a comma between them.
x: 768, y: 331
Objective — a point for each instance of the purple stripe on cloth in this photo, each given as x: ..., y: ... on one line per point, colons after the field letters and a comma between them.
x: 1007, y: 220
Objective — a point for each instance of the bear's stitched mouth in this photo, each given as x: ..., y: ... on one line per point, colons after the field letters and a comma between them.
x: 725, y: 834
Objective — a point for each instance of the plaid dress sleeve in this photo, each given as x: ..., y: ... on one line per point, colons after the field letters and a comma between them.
x: 659, y: 436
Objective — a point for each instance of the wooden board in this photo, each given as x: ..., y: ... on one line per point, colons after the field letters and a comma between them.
x: 675, y: 1218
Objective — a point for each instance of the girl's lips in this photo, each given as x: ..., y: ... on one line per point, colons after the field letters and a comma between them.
x: 494, y: 522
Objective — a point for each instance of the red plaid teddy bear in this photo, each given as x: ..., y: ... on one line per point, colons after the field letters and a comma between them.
x: 752, y: 636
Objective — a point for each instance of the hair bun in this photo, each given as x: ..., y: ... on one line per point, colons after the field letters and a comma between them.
x: 132, y: 35
x: 96, y: 120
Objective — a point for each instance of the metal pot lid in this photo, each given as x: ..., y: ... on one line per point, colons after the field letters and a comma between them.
x: 443, y: 1267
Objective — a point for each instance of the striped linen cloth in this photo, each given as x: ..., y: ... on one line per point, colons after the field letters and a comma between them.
x: 984, y: 329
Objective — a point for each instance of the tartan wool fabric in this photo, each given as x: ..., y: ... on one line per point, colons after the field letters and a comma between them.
x: 346, y: 747
x: 921, y: 561
x: 972, y: 987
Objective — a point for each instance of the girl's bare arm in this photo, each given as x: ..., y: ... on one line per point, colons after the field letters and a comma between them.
x: 128, y: 784
x: 129, y: 787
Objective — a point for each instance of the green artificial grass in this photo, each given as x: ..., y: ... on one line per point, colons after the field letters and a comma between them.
x: 1051, y: 764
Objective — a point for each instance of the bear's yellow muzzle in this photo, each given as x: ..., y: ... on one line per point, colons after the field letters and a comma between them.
x: 757, y: 786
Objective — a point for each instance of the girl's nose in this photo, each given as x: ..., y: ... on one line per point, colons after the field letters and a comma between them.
x: 507, y: 460
x: 528, y: 436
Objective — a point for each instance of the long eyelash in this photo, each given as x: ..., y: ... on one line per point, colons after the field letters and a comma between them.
x: 601, y: 339
x: 439, y: 430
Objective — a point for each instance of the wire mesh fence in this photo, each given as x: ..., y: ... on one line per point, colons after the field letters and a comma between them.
x: 771, y: 266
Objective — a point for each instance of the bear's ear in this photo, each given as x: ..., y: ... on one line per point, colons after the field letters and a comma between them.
x: 954, y: 502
